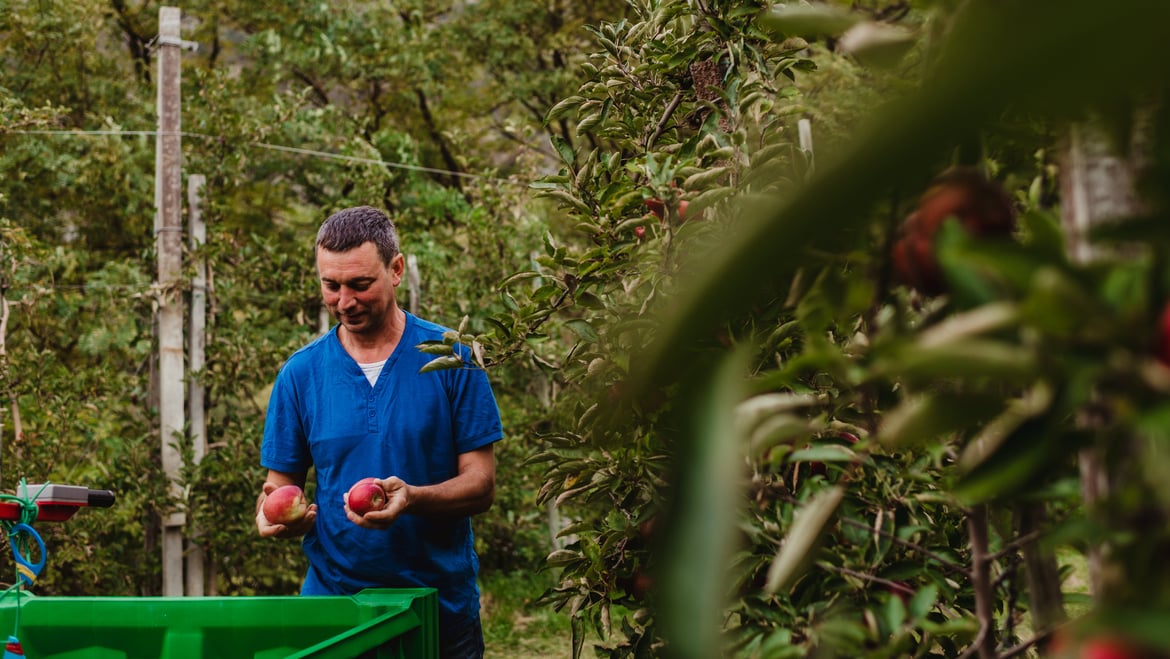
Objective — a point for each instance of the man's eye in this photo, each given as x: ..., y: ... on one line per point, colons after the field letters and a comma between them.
x: 332, y: 287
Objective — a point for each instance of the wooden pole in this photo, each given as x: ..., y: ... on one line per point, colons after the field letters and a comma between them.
x: 1097, y: 181
x: 413, y: 282
x: 168, y: 243
x: 196, y: 347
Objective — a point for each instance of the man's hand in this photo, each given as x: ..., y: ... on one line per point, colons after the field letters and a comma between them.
x: 470, y: 492
x: 269, y: 530
x: 398, y: 497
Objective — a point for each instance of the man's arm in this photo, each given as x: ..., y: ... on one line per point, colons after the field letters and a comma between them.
x: 277, y: 479
x: 470, y: 492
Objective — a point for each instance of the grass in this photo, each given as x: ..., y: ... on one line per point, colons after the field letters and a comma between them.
x: 514, y: 625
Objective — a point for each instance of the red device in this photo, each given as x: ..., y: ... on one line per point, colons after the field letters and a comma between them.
x: 56, y: 503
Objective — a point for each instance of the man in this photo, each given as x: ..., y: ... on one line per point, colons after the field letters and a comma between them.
x: 352, y: 404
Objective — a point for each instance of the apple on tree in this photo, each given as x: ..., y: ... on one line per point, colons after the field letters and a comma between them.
x: 981, y: 207
x: 285, y: 505
x: 658, y: 208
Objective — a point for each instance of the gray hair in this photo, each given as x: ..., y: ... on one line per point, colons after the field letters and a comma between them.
x: 350, y: 228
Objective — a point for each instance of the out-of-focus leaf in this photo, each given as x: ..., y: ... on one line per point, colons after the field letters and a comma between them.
x: 978, y: 321
x: 809, y: 20
x: 935, y: 416
x: 1035, y: 403
x: 823, y: 454
x: 879, y: 45
x: 802, y: 538
x: 922, y: 602
x: 703, y: 540
x: 1059, y: 305
x: 972, y: 358
x: 995, y: 55
x: 1005, y: 461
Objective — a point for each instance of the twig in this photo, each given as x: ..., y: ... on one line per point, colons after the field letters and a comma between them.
x: 944, y: 561
x: 1011, y: 547
x: 894, y: 586
x: 1023, y: 646
x: 670, y: 108
x: 981, y: 582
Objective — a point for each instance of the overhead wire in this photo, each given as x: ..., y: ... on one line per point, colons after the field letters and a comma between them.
x: 262, y: 145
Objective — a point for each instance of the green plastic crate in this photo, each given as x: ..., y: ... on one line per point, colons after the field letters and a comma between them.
x: 375, y: 623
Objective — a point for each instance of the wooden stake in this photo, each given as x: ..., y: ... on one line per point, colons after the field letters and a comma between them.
x: 168, y: 243
x: 196, y: 347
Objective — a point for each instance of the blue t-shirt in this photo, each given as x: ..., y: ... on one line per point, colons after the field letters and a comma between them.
x: 324, y: 413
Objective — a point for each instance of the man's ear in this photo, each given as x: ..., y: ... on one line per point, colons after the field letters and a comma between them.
x: 397, y: 268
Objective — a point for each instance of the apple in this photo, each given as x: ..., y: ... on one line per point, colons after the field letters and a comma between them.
x: 640, y: 232
x: 285, y: 505
x: 643, y: 584
x: 981, y: 207
x: 655, y: 206
x: 1164, y: 335
x: 366, y: 496
x: 1106, y: 647
x: 658, y: 208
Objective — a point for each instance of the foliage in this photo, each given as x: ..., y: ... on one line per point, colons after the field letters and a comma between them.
x: 903, y: 455
x: 762, y: 442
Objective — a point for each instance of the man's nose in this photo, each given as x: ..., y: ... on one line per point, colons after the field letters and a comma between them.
x: 345, y: 299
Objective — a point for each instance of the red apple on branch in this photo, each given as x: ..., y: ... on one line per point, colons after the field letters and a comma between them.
x: 285, y: 505
x: 981, y: 206
x: 658, y: 208
x: 366, y: 496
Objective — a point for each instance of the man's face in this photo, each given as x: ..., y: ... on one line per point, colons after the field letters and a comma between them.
x: 357, y: 288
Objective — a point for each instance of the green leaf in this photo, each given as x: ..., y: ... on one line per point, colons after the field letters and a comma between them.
x: 967, y: 359
x: 706, y: 178
x: 583, y: 329
x: 922, y: 602
x: 801, y: 541
x: 564, y: 107
x: 442, y: 363
x: 879, y: 45
x: 809, y: 20
x: 707, y: 501
x: 436, y: 348
x: 973, y: 79
x: 933, y: 417
x: 519, y: 276
x: 824, y: 454
x: 564, y: 149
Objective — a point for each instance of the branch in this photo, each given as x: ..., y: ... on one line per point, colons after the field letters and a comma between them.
x: 318, y: 91
x: 670, y: 108
x: 943, y: 560
x: 984, y: 643
x: 894, y: 586
x: 437, y: 136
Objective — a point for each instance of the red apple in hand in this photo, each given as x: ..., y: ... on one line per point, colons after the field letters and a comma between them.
x: 365, y: 496
x: 285, y: 505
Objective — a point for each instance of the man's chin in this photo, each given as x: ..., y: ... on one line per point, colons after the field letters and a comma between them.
x: 355, y: 325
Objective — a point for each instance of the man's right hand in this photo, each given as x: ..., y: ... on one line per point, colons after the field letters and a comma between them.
x: 269, y: 530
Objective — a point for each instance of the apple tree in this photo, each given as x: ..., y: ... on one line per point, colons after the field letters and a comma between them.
x: 779, y: 440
